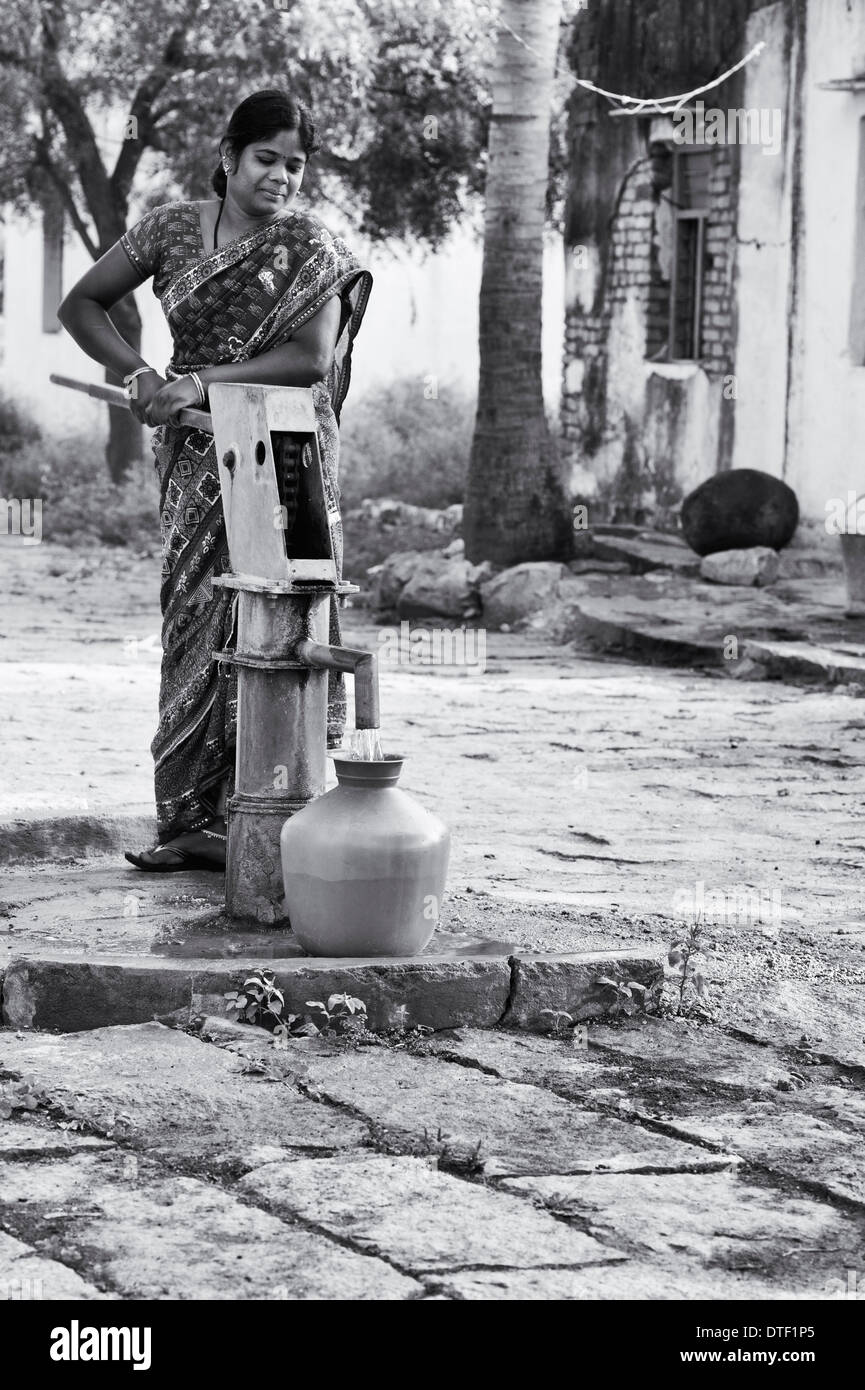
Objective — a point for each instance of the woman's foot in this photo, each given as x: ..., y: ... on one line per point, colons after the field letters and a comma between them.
x: 195, y: 849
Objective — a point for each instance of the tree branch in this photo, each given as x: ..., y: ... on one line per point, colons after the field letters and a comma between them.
x: 66, y: 105
x: 141, y: 112
x: 44, y: 160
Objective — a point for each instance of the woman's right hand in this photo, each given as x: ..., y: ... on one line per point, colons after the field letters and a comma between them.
x: 144, y: 388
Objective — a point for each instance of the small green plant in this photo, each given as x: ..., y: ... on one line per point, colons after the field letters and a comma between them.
x: 556, y: 1022
x: 455, y: 1154
x: 76, y: 1117
x: 22, y: 1094
x: 629, y: 996
x: 341, y: 1014
x: 262, y: 1003
x: 692, y: 991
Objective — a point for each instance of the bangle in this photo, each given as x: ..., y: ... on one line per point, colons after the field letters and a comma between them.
x: 139, y: 371
x: 202, y: 394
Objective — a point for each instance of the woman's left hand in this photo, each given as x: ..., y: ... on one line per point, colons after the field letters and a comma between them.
x: 170, y: 399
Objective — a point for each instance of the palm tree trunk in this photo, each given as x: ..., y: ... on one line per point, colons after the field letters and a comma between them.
x: 515, y: 505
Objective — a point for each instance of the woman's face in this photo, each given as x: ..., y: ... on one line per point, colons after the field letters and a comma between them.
x: 268, y: 173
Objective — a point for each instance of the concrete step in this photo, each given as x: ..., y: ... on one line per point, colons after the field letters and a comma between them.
x: 434, y: 991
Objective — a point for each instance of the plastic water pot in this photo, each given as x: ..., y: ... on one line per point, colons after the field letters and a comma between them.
x: 364, y: 866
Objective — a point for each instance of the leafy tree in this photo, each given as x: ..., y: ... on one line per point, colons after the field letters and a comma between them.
x: 109, y: 103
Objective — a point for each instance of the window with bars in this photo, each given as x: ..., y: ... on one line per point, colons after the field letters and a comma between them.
x: 680, y: 179
x: 691, y: 170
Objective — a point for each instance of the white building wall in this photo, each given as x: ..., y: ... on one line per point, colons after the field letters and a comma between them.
x: 764, y: 234
x: 827, y: 436
x: 31, y: 356
x: 422, y: 321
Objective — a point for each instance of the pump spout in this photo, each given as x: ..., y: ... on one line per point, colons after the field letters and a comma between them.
x: 362, y: 665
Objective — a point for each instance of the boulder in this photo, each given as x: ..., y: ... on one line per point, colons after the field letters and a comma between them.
x: 522, y: 591
x: 648, y: 551
x: 442, y: 586
x: 738, y: 510
x: 755, y: 566
x: 560, y: 619
x: 599, y: 567
x: 390, y: 577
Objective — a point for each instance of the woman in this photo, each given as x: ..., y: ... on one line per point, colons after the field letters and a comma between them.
x: 253, y: 291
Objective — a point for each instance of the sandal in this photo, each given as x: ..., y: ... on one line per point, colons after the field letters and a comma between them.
x: 183, y: 859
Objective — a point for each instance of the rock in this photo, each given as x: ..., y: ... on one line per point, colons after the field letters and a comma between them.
x: 757, y: 565
x: 456, y: 547
x: 522, y: 1130
x: 646, y: 552
x: 636, y: 1280
x: 422, y: 583
x: 560, y: 618
x: 522, y: 591
x: 443, y: 586
x: 738, y: 509
x: 172, y: 1094
x: 801, y: 663
x: 419, y: 1218
x: 65, y: 836
x: 147, y: 1234
x: 29, y: 1139
x: 787, y: 1140
x: 570, y: 983
x: 25, y: 1273
x: 392, y: 576
x: 437, y: 991
x: 745, y: 669
x: 703, y: 1219
x: 599, y: 567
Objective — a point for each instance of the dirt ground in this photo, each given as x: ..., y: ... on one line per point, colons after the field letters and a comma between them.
x: 590, y: 801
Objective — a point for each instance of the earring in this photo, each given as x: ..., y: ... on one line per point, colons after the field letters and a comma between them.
x: 226, y: 166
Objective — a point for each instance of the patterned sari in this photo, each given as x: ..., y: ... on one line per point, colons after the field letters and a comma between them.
x: 228, y: 306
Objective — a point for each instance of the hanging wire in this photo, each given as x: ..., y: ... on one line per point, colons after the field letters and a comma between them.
x: 664, y: 106
x: 667, y: 105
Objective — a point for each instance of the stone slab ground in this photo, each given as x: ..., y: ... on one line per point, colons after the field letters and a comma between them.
x: 641, y: 593
x: 481, y: 1165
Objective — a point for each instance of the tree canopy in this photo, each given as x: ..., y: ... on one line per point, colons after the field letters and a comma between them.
x: 103, y: 101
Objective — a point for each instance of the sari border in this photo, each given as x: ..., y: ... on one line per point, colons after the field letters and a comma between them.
x: 189, y: 280
x: 310, y: 297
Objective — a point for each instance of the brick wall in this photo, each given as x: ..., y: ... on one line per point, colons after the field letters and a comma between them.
x: 631, y: 267
x: 719, y: 343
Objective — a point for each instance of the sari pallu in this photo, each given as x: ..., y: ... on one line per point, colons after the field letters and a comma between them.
x: 228, y: 306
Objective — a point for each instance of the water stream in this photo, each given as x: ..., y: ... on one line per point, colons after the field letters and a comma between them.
x: 366, y: 746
